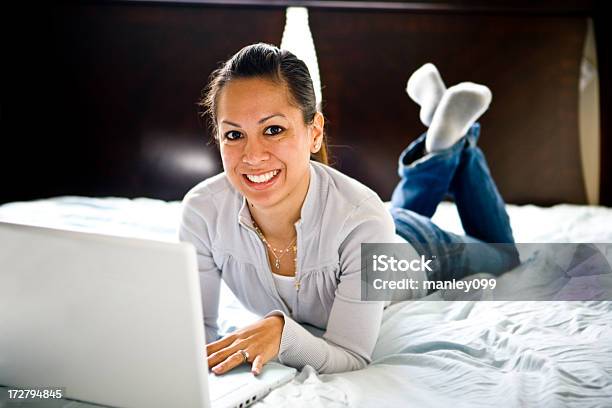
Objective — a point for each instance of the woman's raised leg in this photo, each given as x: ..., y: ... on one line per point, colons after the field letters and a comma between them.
x: 427, y: 167
x: 446, y: 160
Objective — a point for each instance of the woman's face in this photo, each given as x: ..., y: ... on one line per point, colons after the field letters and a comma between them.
x: 265, y: 145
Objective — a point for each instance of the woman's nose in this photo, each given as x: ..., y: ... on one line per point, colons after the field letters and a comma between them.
x: 254, y: 151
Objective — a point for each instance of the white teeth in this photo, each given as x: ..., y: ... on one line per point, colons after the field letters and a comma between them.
x: 262, y: 178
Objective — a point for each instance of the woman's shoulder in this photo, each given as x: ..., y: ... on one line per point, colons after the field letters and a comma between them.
x: 353, y: 214
x: 342, y: 188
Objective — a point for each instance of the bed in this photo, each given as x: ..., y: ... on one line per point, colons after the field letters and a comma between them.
x: 118, y: 143
x: 430, y: 353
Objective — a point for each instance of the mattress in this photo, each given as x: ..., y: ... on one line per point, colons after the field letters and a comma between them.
x: 430, y: 353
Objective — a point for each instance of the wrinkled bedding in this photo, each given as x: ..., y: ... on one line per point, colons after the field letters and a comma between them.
x: 430, y: 353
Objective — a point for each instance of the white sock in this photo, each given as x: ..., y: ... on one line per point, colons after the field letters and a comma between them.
x: 460, y: 106
x: 425, y: 87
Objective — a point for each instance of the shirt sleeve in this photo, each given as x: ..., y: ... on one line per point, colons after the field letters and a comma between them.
x: 353, y: 325
x: 193, y: 229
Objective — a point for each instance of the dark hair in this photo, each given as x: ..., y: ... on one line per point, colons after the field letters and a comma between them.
x: 265, y: 61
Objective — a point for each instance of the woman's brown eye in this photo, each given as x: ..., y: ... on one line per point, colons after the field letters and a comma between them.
x: 276, y: 130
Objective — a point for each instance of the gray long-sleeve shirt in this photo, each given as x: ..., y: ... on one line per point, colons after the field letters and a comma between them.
x: 338, y: 214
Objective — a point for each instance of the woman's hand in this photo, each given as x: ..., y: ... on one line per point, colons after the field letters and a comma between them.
x: 260, y: 340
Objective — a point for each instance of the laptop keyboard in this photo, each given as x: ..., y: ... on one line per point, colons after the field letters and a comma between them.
x: 222, y: 386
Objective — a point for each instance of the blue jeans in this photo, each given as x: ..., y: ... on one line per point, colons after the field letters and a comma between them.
x: 462, y: 172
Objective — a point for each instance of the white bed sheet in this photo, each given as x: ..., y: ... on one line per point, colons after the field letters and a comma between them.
x: 429, y: 354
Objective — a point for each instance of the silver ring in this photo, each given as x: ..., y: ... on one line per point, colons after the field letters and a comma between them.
x: 245, y: 355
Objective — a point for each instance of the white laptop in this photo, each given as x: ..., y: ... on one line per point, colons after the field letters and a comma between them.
x: 113, y: 321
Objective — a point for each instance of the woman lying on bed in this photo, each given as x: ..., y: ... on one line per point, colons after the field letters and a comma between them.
x: 284, y: 230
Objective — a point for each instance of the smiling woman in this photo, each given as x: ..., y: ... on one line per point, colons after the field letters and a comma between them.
x: 284, y: 230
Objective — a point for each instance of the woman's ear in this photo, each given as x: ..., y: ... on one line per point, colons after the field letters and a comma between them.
x: 317, y: 132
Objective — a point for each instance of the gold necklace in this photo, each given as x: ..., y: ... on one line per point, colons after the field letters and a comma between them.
x: 283, y: 252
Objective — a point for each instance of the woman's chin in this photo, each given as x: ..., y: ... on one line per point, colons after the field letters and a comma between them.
x: 261, y: 201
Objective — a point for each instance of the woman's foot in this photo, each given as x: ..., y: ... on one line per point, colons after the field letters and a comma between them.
x: 460, y: 106
x: 425, y: 87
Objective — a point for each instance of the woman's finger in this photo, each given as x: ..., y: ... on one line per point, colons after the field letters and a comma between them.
x: 220, y: 344
x: 257, y: 365
x: 223, y: 354
x: 231, y: 362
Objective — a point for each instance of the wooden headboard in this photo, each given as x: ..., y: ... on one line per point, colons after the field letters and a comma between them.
x: 99, y: 98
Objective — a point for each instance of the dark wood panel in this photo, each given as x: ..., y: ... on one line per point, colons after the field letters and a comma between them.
x: 529, y: 134
x: 100, y: 99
